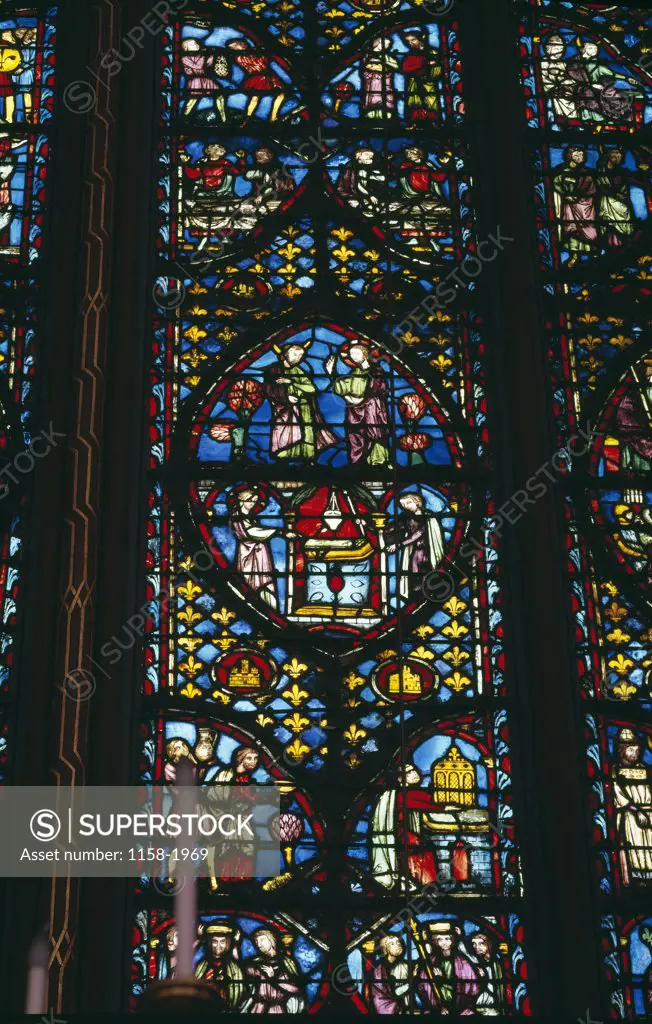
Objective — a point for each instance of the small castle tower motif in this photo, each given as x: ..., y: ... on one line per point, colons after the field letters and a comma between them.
x: 411, y: 682
x: 244, y: 675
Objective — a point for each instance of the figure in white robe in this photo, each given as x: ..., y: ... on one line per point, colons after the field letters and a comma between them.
x: 396, y: 833
x: 419, y: 537
x: 633, y: 801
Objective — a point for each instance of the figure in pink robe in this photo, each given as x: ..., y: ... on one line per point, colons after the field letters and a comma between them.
x: 273, y: 978
x: 198, y: 68
x: 449, y: 980
x: 575, y: 201
x: 254, y: 557
x: 378, y: 67
x: 388, y: 988
x: 364, y: 391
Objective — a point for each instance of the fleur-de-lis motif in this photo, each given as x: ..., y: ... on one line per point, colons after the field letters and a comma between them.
x: 615, y: 612
x: 457, y: 656
x: 189, y: 591
x: 623, y: 690
x: 295, y: 668
x: 190, y: 690
x: 297, y: 750
x: 289, y: 251
x: 458, y: 682
x: 191, y: 667
x: 295, y: 695
x: 455, y: 630
x: 621, y: 664
x: 194, y: 334
x: 423, y: 631
x: 296, y: 723
x: 354, y: 734
x: 190, y: 643
x: 618, y: 636
x: 353, y: 680
x: 343, y: 254
x: 454, y: 606
x: 224, y: 616
x: 188, y: 615
x: 424, y: 654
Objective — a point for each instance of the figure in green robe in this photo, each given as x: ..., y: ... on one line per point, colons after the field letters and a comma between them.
x: 298, y: 431
x: 615, y: 211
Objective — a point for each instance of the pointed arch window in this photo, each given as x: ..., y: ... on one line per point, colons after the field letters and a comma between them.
x: 323, y: 572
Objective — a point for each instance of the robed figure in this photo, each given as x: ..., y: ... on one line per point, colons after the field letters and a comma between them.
x: 166, y: 960
x: 378, y: 67
x: 364, y: 390
x: 615, y: 210
x: 422, y: 71
x: 491, y: 998
x: 253, y: 554
x: 418, y: 537
x: 556, y: 81
x: 633, y: 802
x: 234, y: 858
x: 634, y: 419
x: 423, y: 211
x: 387, y: 989
x: 575, y: 204
x: 273, y: 978
x: 599, y: 99
x: 298, y: 430
x: 219, y: 965
x: 396, y: 839
x: 447, y: 980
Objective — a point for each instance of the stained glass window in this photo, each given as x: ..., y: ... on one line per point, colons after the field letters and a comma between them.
x: 589, y: 103
x: 324, y: 569
x: 27, y: 42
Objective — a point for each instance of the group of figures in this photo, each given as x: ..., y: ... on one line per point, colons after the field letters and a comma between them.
x: 227, y: 76
x: 337, y: 557
x: 17, y: 72
x: 409, y: 191
x: 324, y: 398
x: 445, y: 970
x: 588, y: 89
x: 268, y: 980
x: 398, y: 77
x: 600, y: 201
x: 222, y: 759
x: 436, y: 964
x: 226, y: 195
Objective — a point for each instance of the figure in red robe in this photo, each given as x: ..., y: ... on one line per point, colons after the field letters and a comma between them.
x: 260, y: 78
